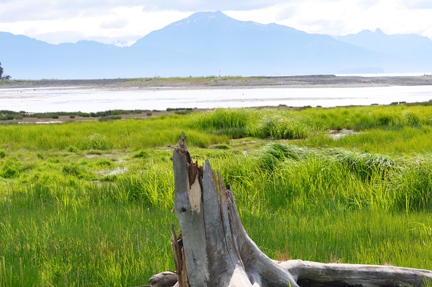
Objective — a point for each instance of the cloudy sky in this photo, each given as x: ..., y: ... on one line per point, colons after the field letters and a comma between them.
x: 128, y: 20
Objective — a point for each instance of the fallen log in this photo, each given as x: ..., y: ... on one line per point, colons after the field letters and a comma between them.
x: 164, y: 279
x: 216, y: 250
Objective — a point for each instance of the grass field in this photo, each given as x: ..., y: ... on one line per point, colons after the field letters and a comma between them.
x: 208, y: 79
x: 89, y: 204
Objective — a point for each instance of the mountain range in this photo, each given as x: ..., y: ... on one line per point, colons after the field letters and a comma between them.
x: 211, y: 43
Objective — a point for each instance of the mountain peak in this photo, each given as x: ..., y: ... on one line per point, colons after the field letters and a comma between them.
x: 201, y: 20
x: 206, y: 16
x: 378, y: 31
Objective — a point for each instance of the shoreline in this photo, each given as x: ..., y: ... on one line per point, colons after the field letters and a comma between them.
x: 23, y: 89
x: 311, y: 81
x: 60, y: 119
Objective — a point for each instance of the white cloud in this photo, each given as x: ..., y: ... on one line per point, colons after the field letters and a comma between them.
x: 118, y: 23
x: 419, y: 4
x: 122, y: 23
x: 24, y: 10
x: 336, y: 17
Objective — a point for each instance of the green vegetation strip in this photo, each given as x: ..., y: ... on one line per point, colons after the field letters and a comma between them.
x: 208, y: 79
x: 89, y: 204
x: 106, y: 115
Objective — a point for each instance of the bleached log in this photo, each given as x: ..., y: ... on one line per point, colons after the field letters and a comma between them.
x: 333, y: 274
x: 164, y: 279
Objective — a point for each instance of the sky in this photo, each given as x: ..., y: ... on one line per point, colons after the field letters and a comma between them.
x: 125, y: 21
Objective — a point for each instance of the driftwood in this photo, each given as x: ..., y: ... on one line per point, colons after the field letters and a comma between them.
x: 164, y: 279
x: 218, y: 252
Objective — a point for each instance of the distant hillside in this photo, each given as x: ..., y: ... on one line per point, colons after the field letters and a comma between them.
x: 409, y: 46
x: 208, y: 42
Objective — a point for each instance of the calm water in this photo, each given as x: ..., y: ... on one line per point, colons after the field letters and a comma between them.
x: 91, y: 100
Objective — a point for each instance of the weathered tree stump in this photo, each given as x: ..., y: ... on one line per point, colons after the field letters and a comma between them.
x: 218, y: 252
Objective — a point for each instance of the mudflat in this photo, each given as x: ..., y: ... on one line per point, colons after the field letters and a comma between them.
x: 25, y: 95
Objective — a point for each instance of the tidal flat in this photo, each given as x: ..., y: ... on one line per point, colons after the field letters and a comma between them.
x: 211, y: 92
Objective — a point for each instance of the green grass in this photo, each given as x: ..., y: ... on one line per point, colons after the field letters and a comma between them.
x: 89, y: 203
x: 361, y: 237
x: 78, y: 244
x: 129, y: 134
x: 103, y: 116
x: 396, y: 140
x: 192, y: 79
x: 401, y: 129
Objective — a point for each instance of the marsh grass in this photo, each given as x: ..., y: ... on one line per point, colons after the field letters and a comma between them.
x: 398, y: 129
x: 83, y: 245
x: 402, y: 140
x: 361, y: 237
x: 89, y: 204
x: 319, y: 118
x: 66, y: 230
x: 129, y: 134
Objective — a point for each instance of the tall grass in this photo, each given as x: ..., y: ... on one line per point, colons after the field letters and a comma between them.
x: 66, y: 230
x: 71, y: 243
x: 292, y: 124
x: 129, y: 134
x: 249, y: 122
x: 406, y: 140
x: 68, y: 218
x: 359, y: 237
x: 390, y: 129
x: 219, y: 125
x: 328, y: 205
x: 330, y: 181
